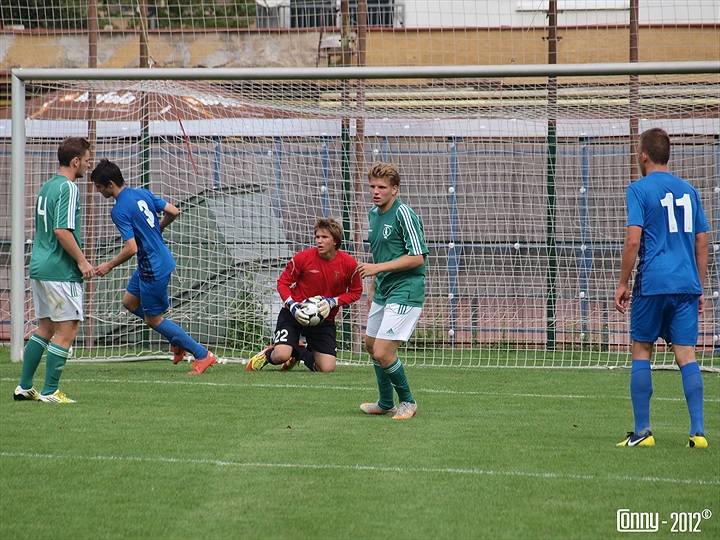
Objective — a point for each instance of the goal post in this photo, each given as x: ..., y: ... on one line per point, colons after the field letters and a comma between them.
x: 524, y: 250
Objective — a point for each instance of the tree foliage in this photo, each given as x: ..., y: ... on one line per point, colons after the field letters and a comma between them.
x: 72, y: 14
x: 44, y: 14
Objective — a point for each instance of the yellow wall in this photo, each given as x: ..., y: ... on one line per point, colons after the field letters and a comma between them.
x: 384, y: 47
x: 504, y: 47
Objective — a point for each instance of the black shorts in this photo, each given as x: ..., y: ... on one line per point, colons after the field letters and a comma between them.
x: 321, y: 338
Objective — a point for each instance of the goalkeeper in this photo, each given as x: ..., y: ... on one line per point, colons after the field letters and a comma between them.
x: 329, y: 275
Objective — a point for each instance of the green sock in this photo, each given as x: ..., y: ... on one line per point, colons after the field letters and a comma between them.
x: 56, y: 358
x: 34, y: 351
x: 396, y: 374
x: 387, y: 399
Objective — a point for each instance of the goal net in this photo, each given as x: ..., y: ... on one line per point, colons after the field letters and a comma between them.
x: 519, y: 181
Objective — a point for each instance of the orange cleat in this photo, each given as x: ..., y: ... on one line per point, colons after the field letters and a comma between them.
x: 178, y: 354
x: 199, y: 366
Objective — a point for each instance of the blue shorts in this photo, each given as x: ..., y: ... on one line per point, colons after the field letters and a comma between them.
x: 153, y: 294
x: 673, y: 317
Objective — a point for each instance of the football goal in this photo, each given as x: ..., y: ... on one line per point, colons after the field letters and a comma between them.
x: 517, y: 172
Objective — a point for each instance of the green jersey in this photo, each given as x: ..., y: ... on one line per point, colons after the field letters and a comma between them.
x: 394, y: 234
x: 58, y: 207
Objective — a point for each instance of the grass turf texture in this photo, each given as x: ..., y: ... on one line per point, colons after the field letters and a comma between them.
x: 151, y: 452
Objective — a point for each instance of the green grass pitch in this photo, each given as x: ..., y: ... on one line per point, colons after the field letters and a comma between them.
x: 151, y: 452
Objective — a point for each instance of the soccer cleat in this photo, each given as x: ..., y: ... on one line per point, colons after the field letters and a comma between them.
x: 199, y: 366
x: 696, y: 441
x: 259, y: 361
x: 25, y: 395
x: 287, y: 366
x: 56, y: 397
x: 375, y: 408
x: 290, y: 364
x: 405, y: 410
x: 644, y: 439
x: 178, y: 353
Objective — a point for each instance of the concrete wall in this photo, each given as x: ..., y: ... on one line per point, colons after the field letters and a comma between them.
x: 384, y: 47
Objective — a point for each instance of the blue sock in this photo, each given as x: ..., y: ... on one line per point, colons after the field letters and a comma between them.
x: 177, y: 336
x: 640, y: 392
x: 693, y: 386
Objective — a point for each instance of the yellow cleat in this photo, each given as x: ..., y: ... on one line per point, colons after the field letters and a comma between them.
x: 56, y: 397
x: 697, y: 441
x: 290, y: 364
x: 645, y: 439
x: 259, y: 361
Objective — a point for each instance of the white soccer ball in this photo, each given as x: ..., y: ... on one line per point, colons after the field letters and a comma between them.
x: 310, y: 308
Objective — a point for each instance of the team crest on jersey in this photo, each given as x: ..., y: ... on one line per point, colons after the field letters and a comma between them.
x: 337, y: 275
x: 387, y: 231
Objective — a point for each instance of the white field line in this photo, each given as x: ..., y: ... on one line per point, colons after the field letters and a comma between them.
x: 366, y: 468
x: 195, y: 382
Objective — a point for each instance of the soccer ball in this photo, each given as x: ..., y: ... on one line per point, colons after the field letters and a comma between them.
x: 310, y: 309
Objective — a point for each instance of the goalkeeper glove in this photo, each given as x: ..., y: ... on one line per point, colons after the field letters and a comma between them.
x: 299, y: 314
x: 325, y: 305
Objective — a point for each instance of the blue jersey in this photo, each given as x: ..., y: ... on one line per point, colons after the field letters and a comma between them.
x: 135, y: 216
x: 670, y: 213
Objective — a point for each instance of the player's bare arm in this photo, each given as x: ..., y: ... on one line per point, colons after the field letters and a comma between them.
x: 701, y: 260
x: 370, y: 294
x: 67, y: 241
x: 169, y: 215
x: 629, y: 255
x: 406, y: 262
x: 128, y: 251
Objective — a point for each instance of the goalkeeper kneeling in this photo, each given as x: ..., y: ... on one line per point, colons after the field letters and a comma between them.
x: 313, y: 286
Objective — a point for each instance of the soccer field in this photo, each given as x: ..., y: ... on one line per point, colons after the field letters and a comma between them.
x: 150, y: 452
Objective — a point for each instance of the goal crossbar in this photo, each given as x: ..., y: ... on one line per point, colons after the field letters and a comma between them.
x: 400, y: 72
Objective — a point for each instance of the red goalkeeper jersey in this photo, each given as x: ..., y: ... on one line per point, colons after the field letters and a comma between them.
x: 307, y: 275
